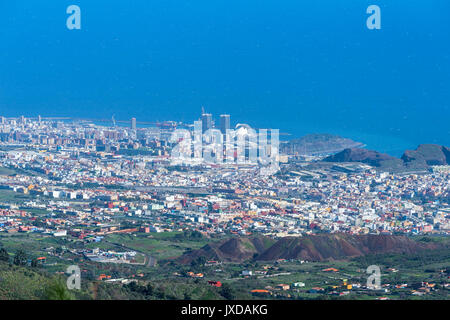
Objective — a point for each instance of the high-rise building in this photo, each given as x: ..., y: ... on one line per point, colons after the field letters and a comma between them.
x: 224, y: 123
x: 206, y: 121
x: 133, y: 123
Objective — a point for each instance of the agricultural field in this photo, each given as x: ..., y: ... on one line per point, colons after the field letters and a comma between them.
x: 161, y: 246
x: 10, y: 196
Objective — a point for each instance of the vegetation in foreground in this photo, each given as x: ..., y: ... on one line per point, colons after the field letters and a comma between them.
x: 23, y: 277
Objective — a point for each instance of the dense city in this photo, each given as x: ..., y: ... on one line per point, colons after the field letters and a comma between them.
x: 87, y: 182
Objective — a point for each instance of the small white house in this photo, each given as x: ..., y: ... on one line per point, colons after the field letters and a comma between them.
x: 298, y: 284
x: 60, y: 233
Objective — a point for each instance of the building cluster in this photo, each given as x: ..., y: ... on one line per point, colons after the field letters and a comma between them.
x: 68, y: 183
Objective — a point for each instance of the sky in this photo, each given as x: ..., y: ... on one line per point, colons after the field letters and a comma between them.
x: 299, y: 66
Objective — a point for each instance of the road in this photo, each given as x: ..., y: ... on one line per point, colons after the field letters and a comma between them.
x: 149, y: 260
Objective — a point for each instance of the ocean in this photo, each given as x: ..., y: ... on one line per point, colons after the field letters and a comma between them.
x: 299, y: 66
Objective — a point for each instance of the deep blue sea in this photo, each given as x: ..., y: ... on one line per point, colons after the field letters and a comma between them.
x: 300, y: 66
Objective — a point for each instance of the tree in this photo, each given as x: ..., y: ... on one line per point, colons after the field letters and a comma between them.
x: 187, y: 296
x: 20, y: 259
x: 160, y: 293
x: 149, y: 291
x: 196, y: 235
x: 39, y: 223
x: 34, y: 263
x: 199, y: 262
x: 227, y: 292
x: 4, y: 256
x: 57, y: 290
